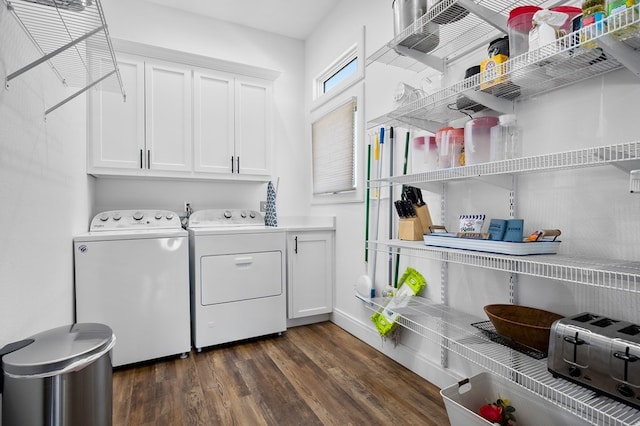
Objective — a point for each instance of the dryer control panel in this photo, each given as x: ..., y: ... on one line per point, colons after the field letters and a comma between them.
x: 135, y: 219
x: 217, y: 218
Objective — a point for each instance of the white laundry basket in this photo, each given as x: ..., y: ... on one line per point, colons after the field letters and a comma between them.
x: 463, y: 400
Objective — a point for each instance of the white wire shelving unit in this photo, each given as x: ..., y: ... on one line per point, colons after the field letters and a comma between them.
x: 453, y: 330
x: 602, y: 273
x: 625, y: 156
x: 586, y: 53
x: 609, y: 274
x: 72, y: 37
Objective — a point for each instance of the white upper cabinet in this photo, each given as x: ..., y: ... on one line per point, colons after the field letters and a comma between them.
x: 116, y: 128
x: 213, y: 122
x: 233, y: 116
x: 183, y: 121
x: 253, y: 126
x: 168, y: 120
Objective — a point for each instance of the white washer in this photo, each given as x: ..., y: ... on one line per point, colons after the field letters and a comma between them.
x: 132, y: 274
x: 237, y: 277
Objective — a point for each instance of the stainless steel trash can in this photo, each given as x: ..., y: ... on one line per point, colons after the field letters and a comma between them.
x: 60, y: 377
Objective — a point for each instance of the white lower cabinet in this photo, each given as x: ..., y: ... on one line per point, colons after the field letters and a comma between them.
x: 310, y: 273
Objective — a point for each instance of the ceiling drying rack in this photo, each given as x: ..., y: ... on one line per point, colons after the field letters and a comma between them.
x: 72, y: 37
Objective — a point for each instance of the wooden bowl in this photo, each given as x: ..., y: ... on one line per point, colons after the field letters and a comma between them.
x: 525, y: 325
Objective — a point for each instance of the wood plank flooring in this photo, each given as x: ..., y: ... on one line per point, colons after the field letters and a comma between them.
x: 311, y: 375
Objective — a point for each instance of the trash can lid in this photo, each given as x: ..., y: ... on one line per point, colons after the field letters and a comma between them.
x: 59, y: 350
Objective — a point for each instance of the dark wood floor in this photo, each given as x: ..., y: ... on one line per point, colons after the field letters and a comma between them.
x: 311, y: 375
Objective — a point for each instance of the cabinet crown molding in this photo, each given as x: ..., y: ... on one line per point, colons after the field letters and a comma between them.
x: 192, y: 59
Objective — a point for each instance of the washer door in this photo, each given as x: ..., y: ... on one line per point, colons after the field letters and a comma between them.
x: 241, y: 276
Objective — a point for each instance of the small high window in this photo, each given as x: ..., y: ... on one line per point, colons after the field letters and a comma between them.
x: 342, y: 74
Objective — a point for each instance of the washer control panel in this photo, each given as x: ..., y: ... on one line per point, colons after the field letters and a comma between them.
x: 225, y: 218
x: 115, y: 220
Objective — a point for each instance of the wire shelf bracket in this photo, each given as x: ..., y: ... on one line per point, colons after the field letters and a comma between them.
x: 72, y: 37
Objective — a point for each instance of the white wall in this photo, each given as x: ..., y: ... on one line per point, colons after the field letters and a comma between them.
x: 186, y: 32
x: 44, y: 191
x: 592, y: 207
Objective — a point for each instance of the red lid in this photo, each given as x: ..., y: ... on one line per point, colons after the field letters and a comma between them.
x: 486, y: 121
x: 566, y: 9
x: 521, y: 10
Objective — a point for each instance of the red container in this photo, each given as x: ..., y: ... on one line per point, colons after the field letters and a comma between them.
x: 519, y: 24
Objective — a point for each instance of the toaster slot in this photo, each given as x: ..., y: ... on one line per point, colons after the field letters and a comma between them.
x: 576, y: 348
x: 604, y: 322
x: 631, y: 330
x: 585, y: 317
x: 624, y: 363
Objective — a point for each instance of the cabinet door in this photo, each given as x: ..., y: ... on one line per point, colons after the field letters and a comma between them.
x: 253, y: 128
x: 116, y: 127
x: 311, y: 273
x: 168, y: 117
x: 213, y: 122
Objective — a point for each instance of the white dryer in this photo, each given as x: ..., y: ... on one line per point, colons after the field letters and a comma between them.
x: 132, y: 274
x: 237, y: 277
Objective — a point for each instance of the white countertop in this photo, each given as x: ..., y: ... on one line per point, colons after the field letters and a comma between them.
x: 307, y: 223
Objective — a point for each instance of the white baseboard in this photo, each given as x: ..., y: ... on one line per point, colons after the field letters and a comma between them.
x: 296, y: 322
x: 404, y: 355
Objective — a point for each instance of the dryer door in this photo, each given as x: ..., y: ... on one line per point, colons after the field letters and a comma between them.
x: 242, y: 276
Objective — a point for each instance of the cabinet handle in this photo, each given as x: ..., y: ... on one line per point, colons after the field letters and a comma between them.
x: 140, y: 158
x: 295, y: 250
x: 238, y: 161
x: 232, y: 169
x: 148, y: 159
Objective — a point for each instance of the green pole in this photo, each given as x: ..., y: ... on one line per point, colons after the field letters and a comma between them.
x: 404, y: 172
x: 366, y: 231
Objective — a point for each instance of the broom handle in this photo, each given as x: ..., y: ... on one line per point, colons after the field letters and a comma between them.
x: 377, y: 224
x: 366, y: 229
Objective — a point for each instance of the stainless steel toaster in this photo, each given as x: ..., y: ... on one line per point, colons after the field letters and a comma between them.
x: 600, y: 353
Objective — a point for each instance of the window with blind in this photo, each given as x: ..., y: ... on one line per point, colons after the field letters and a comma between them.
x: 333, y: 139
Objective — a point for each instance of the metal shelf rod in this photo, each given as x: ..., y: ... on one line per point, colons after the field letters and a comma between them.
x: 56, y: 52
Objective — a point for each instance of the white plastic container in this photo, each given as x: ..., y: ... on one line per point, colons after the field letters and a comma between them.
x: 505, y: 139
x: 463, y: 400
x: 430, y: 153
x: 477, y: 139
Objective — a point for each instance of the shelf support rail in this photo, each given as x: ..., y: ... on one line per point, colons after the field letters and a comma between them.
x: 59, y: 104
x: 494, y: 19
x: 624, y: 53
x: 111, y: 51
